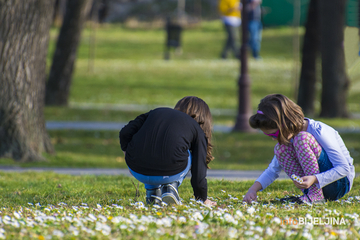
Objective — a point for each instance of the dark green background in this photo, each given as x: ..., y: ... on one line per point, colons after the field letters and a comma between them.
x: 280, y: 12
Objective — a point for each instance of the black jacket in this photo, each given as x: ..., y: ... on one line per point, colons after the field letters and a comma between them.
x: 156, y: 144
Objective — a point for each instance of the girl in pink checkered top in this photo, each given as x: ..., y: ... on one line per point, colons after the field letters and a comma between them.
x: 306, y: 148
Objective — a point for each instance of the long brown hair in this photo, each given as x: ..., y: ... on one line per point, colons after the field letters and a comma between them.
x: 197, y: 109
x: 281, y: 113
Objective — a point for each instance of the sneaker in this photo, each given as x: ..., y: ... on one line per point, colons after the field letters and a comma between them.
x: 295, y: 199
x: 291, y: 199
x: 301, y: 200
x: 153, y: 196
x: 170, y: 194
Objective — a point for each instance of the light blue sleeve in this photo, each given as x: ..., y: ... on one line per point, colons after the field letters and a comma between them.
x: 270, y: 174
x: 339, y: 156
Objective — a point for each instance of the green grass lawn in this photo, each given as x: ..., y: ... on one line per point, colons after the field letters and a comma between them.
x: 128, y: 68
x: 53, y: 206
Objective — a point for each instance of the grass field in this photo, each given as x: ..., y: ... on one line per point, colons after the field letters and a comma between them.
x: 53, y: 206
x: 128, y: 68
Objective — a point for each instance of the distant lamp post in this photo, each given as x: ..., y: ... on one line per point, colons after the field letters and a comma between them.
x: 244, y: 109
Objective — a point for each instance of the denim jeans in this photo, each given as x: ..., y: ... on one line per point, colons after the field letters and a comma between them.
x: 337, y: 189
x: 230, y: 43
x: 255, y: 32
x: 152, y: 182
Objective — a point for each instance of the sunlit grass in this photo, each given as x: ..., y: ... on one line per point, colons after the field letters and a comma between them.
x: 164, y: 83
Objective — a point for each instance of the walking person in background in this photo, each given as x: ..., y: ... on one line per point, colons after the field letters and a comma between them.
x: 161, y: 146
x: 255, y: 27
x: 231, y: 18
x: 311, y: 150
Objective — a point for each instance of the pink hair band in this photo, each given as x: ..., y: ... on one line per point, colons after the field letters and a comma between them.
x: 260, y: 112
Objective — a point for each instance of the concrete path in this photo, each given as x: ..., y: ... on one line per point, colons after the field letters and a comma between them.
x: 62, y: 125
x: 58, y: 125
x: 212, y: 174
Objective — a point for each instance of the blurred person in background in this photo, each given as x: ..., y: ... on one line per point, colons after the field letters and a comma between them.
x: 231, y: 18
x: 255, y: 27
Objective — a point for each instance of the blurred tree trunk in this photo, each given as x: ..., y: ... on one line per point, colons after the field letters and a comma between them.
x: 24, y: 37
x: 335, y: 80
x: 58, y: 85
x: 59, y: 12
x: 310, y: 51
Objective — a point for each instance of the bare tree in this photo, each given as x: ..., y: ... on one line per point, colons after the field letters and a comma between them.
x: 24, y: 36
x: 310, y: 52
x: 325, y: 35
x: 59, y: 12
x: 58, y: 85
x: 335, y: 80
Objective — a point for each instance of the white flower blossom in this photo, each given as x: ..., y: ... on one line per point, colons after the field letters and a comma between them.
x: 198, y: 216
x: 238, y: 214
x: 167, y: 222
x: 73, y: 230
x: 201, y: 227
x: 123, y: 226
x: 182, y: 219
x: 142, y: 228
x: 232, y: 232
x: 248, y: 233
x: 307, y: 235
x: 269, y: 231
x: 276, y: 220
x: 228, y: 218
x: 92, y: 217
x: 58, y: 233
x: 102, y: 218
x: 181, y: 235
x: 160, y: 231
x: 103, y: 228
x: 250, y: 210
x: 259, y: 229
x: 17, y: 215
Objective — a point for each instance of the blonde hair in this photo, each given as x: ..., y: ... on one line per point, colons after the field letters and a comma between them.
x: 281, y: 113
x: 197, y: 109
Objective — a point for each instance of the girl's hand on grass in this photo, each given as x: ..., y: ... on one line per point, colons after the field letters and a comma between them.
x: 209, y: 202
x: 250, y: 196
x: 308, y: 181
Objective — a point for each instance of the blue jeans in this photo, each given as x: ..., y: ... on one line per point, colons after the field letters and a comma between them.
x: 152, y: 182
x: 255, y: 30
x: 230, y: 43
x: 337, y: 189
